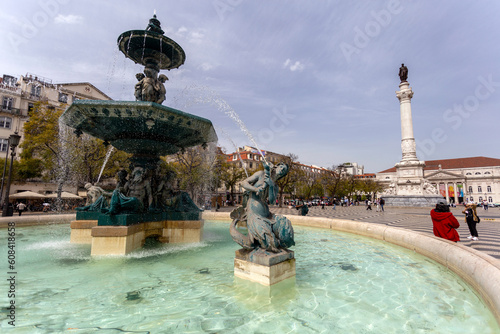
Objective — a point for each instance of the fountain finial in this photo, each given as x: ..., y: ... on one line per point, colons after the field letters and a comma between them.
x: 154, y: 25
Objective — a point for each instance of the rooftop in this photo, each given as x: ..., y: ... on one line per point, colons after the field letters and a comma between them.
x: 471, y: 162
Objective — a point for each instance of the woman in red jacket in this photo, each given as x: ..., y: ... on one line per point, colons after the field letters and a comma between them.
x: 445, y: 224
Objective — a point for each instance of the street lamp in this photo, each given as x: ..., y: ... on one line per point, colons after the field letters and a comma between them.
x: 13, y: 142
x: 4, y: 171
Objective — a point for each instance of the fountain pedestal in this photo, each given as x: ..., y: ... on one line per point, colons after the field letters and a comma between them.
x: 264, y: 267
x: 143, y: 204
x: 121, y: 240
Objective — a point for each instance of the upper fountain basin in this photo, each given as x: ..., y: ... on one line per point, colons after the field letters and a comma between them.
x: 148, y: 47
x: 138, y: 127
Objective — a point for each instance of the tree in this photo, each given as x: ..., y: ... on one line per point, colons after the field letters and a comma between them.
x: 58, y: 154
x: 370, y: 187
x: 231, y: 174
x: 195, y: 167
x: 288, y: 183
x: 331, y: 181
x: 310, y: 187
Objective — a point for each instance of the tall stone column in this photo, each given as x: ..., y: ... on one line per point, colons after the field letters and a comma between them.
x: 410, y: 171
x: 408, y: 146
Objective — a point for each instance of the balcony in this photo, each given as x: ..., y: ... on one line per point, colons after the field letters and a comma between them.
x: 10, y: 89
x: 12, y: 111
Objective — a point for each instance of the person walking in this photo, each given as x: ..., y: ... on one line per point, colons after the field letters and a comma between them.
x: 472, y: 220
x: 368, y: 205
x: 377, y: 204
x: 302, y: 205
x: 20, y: 207
x: 382, y: 202
x: 444, y: 222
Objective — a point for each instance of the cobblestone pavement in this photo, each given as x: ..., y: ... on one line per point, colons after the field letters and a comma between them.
x: 416, y: 219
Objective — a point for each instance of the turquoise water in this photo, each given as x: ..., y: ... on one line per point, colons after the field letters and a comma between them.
x: 344, y: 284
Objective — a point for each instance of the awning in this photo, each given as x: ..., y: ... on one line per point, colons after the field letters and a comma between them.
x: 27, y: 195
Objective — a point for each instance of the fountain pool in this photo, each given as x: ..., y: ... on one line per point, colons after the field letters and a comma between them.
x: 351, y: 284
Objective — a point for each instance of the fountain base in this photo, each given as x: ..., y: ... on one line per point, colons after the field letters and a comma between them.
x: 264, y: 267
x: 121, y: 240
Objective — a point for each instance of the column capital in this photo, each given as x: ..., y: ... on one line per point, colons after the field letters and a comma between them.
x: 405, y: 93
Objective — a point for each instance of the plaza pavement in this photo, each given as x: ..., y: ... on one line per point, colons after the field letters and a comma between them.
x: 416, y: 219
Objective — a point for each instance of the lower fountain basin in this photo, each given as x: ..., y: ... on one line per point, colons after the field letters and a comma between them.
x: 137, y: 127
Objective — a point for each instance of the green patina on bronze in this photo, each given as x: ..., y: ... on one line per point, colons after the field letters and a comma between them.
x: 144, y: 128
x: 147, y: 130
x: 134, y: 218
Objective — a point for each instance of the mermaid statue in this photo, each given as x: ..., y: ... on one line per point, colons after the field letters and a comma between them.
x: 266, y: 231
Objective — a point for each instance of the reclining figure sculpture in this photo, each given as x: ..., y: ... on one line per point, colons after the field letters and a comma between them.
x: 265, y: 230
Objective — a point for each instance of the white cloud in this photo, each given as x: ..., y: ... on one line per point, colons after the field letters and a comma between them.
x: 297, y: 66
x: 68, y: 19
x: 206, y: 66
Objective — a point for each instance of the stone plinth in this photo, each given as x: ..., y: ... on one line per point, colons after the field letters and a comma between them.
x: 183, y: 231
x: 117, y: 240
x: 264, y: 267
x: 121, y: 240
x: 411, y: 200
x: 81, y: 231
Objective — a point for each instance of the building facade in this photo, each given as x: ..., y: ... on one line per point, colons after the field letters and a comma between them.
x: 351, y: 168
x: 473, y: 179
x: 20, y: 95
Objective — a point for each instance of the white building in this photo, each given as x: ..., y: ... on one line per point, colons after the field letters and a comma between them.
x: 474, y: 179
x: 351, y: 168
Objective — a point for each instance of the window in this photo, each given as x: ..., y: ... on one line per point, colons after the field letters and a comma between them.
x: 31, y: 106
x: 468, y: 174
x: 5, y: 122
x: 36, y: 90
x: 387, y: 177
x: 251, y: 165
x: 250, y: 156
x: 235, y: 157
x: 477, y: 173
x: 470, y: 189
x: 4, y: 144
x: 488, y: 189
x: 479, y: 189
x: 7, y: 103
x: 63, y: 98
x: 480, y: 199
x: 490, y: 199
x: 487, y: 173
x: 471, y: 199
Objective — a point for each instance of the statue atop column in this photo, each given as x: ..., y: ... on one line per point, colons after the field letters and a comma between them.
x: 403, y: 73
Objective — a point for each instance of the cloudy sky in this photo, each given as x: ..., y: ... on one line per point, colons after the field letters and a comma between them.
x: 316, y: 79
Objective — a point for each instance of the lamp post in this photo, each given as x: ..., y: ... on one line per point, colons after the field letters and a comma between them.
x: 4, y: 171
x: 13, y: 142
